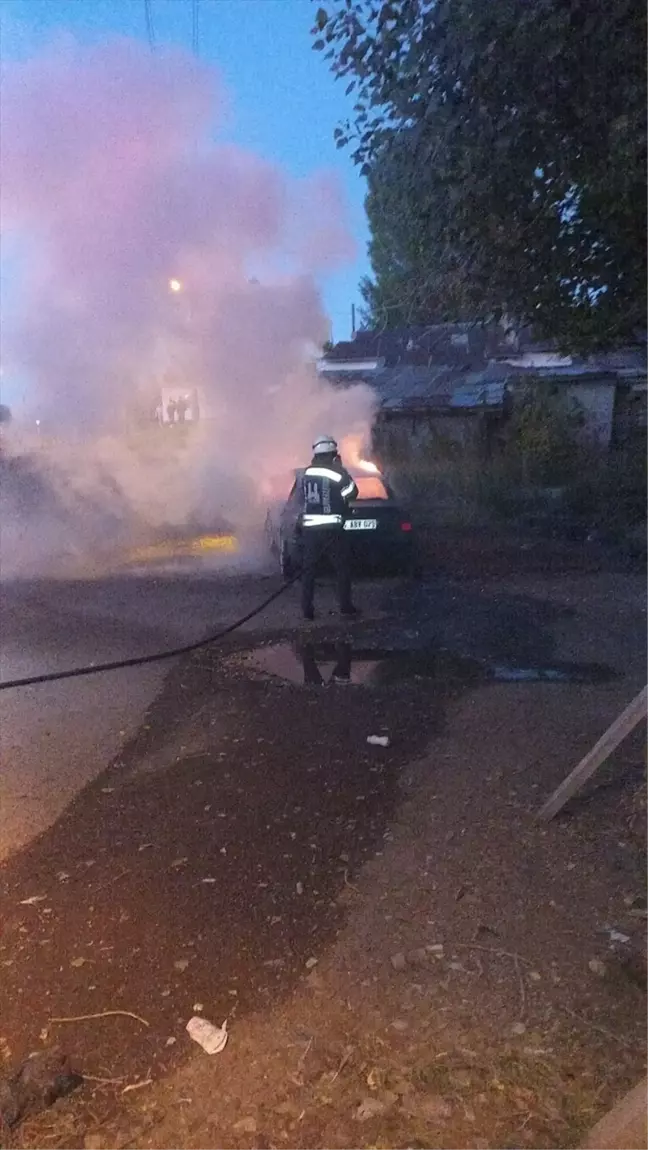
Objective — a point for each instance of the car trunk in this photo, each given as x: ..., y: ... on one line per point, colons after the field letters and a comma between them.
x: 387, y: 540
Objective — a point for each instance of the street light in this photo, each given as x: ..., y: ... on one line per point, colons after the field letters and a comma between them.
x: 175, y: 285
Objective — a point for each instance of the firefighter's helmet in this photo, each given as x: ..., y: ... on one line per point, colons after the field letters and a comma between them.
x: 325, y: 445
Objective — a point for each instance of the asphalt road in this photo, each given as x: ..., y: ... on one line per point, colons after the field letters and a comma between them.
x: 55, y: 738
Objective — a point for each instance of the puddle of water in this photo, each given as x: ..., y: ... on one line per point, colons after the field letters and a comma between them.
x: 317, y: 664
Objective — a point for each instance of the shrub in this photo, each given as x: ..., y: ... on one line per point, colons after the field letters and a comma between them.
x: 542, y: 438
x: 540, y: 472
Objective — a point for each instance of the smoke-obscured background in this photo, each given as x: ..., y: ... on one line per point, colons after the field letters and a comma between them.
x: 154, y: 262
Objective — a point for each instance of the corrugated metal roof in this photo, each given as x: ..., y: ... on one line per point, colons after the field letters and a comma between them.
x: 433, y: 374
x: 481, y: 393
x: 412, y: 386
x: 441, y: 386
x: 579, y: 370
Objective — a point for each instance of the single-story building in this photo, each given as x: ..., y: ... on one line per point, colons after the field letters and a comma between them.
x: 610, y: 388
x: 454, y: 381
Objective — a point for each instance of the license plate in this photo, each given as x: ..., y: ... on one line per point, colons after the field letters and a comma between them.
x: 360, y: 524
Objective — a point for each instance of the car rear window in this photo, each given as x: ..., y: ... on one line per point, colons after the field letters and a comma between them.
x: 371, y: 487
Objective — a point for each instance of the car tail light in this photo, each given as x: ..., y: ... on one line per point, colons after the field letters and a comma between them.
x: 406, y: 526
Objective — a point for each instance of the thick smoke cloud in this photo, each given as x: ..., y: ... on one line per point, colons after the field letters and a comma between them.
x: 113, y: 185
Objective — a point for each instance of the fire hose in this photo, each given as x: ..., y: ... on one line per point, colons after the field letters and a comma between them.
x: 157, y: 656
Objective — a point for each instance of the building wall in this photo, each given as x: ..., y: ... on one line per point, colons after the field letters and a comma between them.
x: 594, y: 397
x: 444, y: 433
x: 597, y: 403
x: 630, y: 416
x: 405, y: 435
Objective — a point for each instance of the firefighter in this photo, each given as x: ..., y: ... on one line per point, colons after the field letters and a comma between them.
x: 327, y: 489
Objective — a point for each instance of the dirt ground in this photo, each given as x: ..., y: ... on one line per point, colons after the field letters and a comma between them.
x: 404, y: 958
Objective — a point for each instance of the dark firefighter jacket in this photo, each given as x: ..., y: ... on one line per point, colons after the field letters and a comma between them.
x: 326, y: 491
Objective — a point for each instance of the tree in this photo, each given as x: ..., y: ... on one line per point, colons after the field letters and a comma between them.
x: 415, y: 279
x: 504, y: 145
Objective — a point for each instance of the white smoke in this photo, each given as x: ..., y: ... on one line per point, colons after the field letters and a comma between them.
x: 116, y: 193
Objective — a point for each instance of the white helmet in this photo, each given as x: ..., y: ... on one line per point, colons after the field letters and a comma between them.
x: 324, y: 445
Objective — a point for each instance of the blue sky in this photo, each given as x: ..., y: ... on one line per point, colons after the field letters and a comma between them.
x: 285, y: 102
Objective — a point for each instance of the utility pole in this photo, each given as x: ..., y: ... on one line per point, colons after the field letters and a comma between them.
x: 353, y: 326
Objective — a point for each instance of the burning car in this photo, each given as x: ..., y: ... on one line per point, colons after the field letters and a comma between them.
x: 382, y: 534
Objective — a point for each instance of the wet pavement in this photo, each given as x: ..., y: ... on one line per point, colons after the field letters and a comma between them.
x: 55, y: 738
x: 341, y: 663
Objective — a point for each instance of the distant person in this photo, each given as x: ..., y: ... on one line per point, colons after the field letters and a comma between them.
x: 182, y: 407
x: 327, y: 490
x: 172, y: 408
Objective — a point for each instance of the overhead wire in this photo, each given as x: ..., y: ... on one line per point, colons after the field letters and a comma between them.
x: 148, y: 20
x: 195, y: 28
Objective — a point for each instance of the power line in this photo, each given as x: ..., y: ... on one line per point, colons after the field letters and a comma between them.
x: 148, y: 19
x: 195, y: 28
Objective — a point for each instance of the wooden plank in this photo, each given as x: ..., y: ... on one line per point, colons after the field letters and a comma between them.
x: 626, y: 722
x: 624, y: 1126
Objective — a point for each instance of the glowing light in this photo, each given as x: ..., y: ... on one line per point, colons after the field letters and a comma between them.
x: 175, y: 285
x: 366, y: 465
x: 183, y: 549
x: 216, y: 543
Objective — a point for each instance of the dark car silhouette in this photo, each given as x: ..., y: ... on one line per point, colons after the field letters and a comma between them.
x: 381, y: 531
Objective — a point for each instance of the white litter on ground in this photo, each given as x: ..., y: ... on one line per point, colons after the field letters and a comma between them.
x: 212, y: 1038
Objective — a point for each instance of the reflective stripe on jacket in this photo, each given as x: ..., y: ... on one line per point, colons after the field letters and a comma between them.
x: 309, y: 520
x: 325, y: 494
